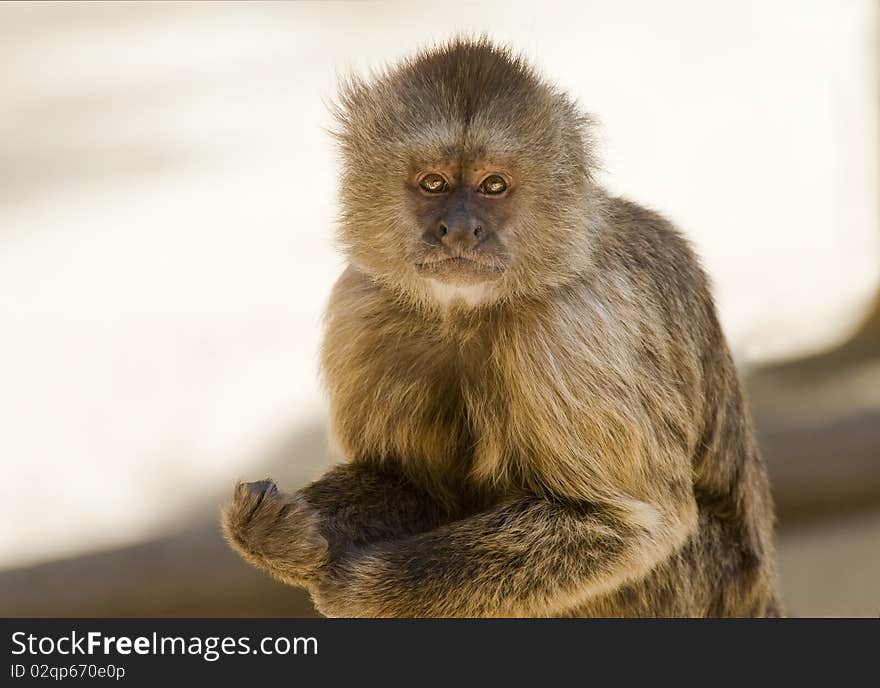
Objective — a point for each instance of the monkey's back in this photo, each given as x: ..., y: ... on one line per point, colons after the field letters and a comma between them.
x: 727, y: 567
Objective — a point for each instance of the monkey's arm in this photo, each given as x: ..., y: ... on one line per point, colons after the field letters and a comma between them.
x: 292, y: 536
x: 527, y: 557
x: 360, y: 503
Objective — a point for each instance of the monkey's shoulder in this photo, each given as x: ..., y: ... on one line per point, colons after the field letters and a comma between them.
x: 640, y: 250
x: 630, y: 217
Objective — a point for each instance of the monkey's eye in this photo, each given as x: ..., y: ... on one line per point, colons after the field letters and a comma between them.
x: 433, y: 183
x: 493, y: 185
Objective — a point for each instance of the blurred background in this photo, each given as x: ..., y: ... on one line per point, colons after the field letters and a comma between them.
x: 167, y: 198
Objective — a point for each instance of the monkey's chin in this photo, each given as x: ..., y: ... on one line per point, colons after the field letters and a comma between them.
x: 448, y: 294
x: 459, y: 281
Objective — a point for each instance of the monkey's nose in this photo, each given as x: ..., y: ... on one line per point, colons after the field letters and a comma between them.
x: 460, y: 234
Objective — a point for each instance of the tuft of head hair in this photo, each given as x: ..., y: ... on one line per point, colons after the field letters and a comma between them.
x: 464, y: 84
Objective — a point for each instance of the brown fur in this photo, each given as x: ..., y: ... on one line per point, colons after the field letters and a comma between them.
x: 574, y: 443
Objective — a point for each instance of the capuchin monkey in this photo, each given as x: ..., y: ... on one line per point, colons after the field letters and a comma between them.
x: 527, y: 377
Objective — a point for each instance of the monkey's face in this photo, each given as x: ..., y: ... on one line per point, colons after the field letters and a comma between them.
x: 465, y: 223
x: 465, y: 178
x: 460, y: 212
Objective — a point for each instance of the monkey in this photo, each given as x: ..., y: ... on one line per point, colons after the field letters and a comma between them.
x: 527, y: 378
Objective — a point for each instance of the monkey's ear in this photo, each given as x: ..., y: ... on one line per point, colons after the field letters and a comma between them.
x: 584, y: 141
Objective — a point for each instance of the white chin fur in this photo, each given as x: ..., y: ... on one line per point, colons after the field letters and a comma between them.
x: 450, y: 294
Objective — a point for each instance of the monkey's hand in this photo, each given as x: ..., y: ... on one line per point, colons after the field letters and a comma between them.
x: 299, y: 538
x: 277, y: 532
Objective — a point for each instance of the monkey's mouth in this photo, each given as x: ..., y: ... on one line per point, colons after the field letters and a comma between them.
x: 460, y: 269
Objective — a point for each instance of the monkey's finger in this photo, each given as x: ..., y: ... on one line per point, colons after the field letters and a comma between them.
x: 258, y: 489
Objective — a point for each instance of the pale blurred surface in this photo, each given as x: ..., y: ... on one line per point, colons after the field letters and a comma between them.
x: 166, y: 209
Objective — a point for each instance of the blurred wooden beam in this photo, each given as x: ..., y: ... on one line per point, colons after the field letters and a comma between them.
x: 818, y: 421
x: 821, y: 469
x: 193, y: 574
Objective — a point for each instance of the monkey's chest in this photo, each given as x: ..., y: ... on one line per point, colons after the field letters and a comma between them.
x: 429, y: 419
